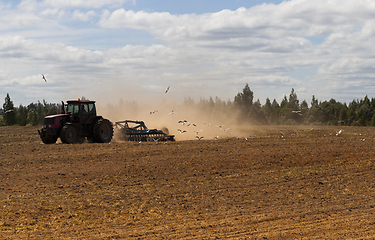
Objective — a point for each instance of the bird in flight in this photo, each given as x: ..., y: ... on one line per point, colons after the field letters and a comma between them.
x: 224, y: 129
x: 167, y: 89
x: 44, y: 78
x: 199, y: 138
x: 182, y: 122
x: 181, y: 131
x: 197, y: 132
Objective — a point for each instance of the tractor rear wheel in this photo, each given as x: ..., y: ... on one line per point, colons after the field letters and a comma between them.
x: 103, y: 131
x: 68, y: 134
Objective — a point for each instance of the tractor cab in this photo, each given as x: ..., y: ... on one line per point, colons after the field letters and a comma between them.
x: 81, y: 111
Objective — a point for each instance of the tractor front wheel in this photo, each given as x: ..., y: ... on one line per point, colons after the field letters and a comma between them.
x: 46, y: 140
x: 69, y: 134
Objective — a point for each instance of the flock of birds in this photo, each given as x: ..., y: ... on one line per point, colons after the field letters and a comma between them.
x: 187, y: 124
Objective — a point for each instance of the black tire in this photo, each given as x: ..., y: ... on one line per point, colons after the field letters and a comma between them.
x: 69, y: 134
x: 103, y: 131
x: 49, y: 140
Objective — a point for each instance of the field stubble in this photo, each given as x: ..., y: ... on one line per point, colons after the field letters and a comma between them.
x: 282, y: 182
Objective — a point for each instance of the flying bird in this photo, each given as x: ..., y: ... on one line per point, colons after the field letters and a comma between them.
x: 181, y: 131
x: 197, y: 132
x: 298, y: 112
x: 167, y: 89
x: 225, y: 130
x: 199, y: 138
x: 44, y: 78
x: 154, y: 112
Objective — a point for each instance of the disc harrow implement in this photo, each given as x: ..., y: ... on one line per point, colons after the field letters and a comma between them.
x: 139, y: 132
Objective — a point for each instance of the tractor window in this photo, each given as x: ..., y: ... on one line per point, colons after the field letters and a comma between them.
x: 84, y: 108
x: 73, y: 108
x: 92, y: 109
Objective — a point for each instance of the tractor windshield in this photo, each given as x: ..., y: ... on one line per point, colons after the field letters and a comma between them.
x: 73, y: 108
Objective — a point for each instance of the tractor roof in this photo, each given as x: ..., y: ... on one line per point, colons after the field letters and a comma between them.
x: 80, y: 101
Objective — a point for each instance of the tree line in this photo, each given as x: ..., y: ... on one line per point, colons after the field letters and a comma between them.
x: 32, y: 114
x: 290, y: 111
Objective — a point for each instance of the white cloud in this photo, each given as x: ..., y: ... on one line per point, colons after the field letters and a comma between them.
x: 78, y: 15
x: 24, y: 50
x: 53, y: 12
x: 28, y: 5
x: 291, y: 18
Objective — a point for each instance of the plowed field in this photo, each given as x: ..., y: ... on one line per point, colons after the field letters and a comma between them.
x: 280, y: 183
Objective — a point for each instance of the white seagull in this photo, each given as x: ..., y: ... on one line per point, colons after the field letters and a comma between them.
x: 181, y: 131
x: 167, y: 89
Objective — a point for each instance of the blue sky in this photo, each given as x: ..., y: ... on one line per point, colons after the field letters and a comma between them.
x: 109, y: 50
x: 194, y: 6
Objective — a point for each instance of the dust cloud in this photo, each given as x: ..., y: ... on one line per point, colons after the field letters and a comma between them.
x: 185, y: 121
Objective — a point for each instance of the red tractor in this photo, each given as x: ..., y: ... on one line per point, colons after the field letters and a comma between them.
x: 77, y: 122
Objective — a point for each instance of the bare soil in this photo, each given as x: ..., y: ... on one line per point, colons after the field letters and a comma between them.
x: 282, y: 183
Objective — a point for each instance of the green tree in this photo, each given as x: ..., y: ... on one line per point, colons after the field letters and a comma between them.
x: 32, y: 117
x: 304, y: 111
x: 365, y: 113
x: 351, y: 113
x: 293, y: 103
x: 9, y: 114
x: 268, y: 111
x: 275, y: 112
x: 256, y: 115
x: 343, y: 115
x: 21, y: 115
x: 244, y: 101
